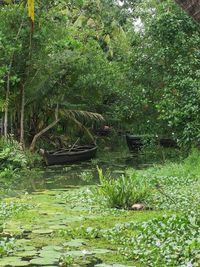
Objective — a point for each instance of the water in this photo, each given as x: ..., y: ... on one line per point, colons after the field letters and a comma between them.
x: 113, y: 157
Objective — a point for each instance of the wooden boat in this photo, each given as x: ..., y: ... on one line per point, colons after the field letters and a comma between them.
x: 136, y: 142
x: 167, y: 142
x: 71, y: 155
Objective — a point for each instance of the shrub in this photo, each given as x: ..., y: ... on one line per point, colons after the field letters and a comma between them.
x: 122, y: 192
x: 11, y: 155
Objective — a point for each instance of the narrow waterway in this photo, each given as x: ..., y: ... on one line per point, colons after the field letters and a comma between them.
x: 57, y: 223
x: 113, y: 157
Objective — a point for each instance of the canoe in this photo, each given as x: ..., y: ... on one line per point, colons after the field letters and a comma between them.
x: 136, y: 142
x: 167, y: 142
x: 71, y: 155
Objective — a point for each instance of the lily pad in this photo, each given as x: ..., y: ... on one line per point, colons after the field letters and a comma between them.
x: 50, y: 248
x: 51, y: 254
x: 30, y: 253
x: 43, y: 261
x: 112, y: 265
x: 74, y: 243
x: 73, y: 219
x: 78, y: 253
x: 43, y: 231
x: 13, y: 261
x: 23, y: 242
x: 28, y: 248
x: 100, y: 251
x: 57, y: 227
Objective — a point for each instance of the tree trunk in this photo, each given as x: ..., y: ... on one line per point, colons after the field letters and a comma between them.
x: 22, y: 116
x: 192, y: 7
x: 7, y: 102
x: 35, y: 138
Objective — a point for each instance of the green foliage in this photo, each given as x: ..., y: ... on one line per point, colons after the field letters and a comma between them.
x: 89, y: 55
x: 12, y: 208
x: 11, y: 155
x: 58, y: 63
x: 8, y: 173
x: 86, y: 176
x: 175, y: 39
x: 122, y: 192
x: 6, y: 246
x: 168, y: 241
x: 66, y: 260
x: 176, y: 185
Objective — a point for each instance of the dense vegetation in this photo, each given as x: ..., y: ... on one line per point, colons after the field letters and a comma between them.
x: 135, y: 63
x: 132, y: 66
x: 91, y: 225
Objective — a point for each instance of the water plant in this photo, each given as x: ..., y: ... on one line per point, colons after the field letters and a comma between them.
x: 86, y: 176
x: 122, y: 192
x: 172, y: 240
x: 13, y: 207
x: 6, y: 246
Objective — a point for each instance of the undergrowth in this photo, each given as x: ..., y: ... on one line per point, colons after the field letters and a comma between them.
x: 13, y: 158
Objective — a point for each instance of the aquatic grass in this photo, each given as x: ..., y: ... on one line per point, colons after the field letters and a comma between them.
x: 86, y: 176
x: 186, y: 171
x: 121, y: 192
x: 139, y: 238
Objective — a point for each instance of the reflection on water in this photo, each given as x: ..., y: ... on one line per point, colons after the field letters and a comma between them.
x: 114, y: 158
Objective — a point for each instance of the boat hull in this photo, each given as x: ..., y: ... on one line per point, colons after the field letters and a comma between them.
x: 135, y: 143
x: 167, y: 142
x: 69, y: 156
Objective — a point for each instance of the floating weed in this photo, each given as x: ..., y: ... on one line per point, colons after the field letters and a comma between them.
x: 76, y: 196
x: 86, y: 176
x: 6, y: 246
x: 179, y: 198
x: 13, y: 207
x: 169, y: 241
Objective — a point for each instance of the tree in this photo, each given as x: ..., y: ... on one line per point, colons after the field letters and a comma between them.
x: 191, y: 7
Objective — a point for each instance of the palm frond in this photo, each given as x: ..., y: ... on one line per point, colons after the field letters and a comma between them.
x: 81, y: 114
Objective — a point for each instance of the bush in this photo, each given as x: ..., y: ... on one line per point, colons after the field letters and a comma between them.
x: 11, y: 155
x: 122, y: 192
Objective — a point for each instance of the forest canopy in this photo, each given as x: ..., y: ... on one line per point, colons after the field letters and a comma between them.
x: 136, y: 63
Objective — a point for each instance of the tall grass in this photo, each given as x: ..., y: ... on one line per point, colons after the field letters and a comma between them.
x: 122, y: 192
